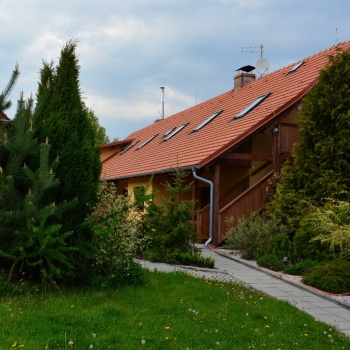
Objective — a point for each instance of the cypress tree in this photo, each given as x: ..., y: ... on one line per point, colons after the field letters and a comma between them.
x: 71, y: 135
x: 321, y: 165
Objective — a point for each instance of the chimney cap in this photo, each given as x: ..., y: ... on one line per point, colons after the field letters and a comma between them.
x: 246, y: 69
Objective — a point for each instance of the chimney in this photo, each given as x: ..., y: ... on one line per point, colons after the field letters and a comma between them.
x: 244, y: 77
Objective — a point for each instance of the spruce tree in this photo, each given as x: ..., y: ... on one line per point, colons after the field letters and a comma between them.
x: 66, y: 124
x: 30, y: 233
x: 321, y: 159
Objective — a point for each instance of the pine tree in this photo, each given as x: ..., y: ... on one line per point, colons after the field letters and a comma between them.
x: 71, y: 135
x: 321, y: 165
x: 4, y: 102
x: 30, y: 233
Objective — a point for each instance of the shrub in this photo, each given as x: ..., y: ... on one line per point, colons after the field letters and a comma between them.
x: 281, y: 246
x: 116, y: 237
x: 332, y: 276
x: 173, y: 230
x: 271, y: 262
x: 194, y: 260
x: 325, y: 232
x: 253, y: 235
x: 124, y: 271
x: 300, y: 268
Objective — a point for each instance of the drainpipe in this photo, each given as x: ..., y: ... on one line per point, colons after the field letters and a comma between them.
x: 211, y: 210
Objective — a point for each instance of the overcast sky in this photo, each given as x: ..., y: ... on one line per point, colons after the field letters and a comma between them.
x: 128, y: 49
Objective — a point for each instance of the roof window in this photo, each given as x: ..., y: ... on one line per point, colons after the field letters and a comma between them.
x: 129, y: 146
x: 254, y: 104
x: 147, y: 141
x: 296, y: 67
x: 208, y: 120
x: 174, y: 132
x: 169, y: 131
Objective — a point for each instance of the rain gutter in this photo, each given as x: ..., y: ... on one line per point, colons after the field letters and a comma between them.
x: 211, y: 208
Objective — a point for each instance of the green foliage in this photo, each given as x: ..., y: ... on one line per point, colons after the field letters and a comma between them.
x: 331, y: 276
x: 325, y: 232
x: 4, y: 102
x: 125, y: 271
x: 332, y: 223
x: 30, y: 236
x: 65, y: 122
x: 300, y: 268
x: 116, y: 238
x: 254, y: 236
x: 270, y: 261
x: 321, y: 157
x: 100, y: 132
x: 193, y: 259
x: 174, y: 232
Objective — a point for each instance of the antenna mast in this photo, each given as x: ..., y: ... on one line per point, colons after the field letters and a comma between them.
x: 252, y: 49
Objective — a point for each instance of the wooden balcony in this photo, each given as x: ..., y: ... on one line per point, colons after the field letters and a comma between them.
x: 245, y: 200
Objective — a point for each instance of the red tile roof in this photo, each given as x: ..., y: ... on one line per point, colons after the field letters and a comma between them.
x: 3, y: 116
x: 200, y: 148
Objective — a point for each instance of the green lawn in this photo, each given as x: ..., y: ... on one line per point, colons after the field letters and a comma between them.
x: 170, y: 311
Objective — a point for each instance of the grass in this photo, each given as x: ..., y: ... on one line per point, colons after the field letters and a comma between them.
x: 170, y: 311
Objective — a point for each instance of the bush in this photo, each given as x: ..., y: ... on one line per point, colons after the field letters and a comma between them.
x: 271, y: 262
x: 172, y: 228
x: 281, y: 246
x: 116, y: 238
x: 194, y: 260
x: 332, y: 276
x: 300, y: 268
x: 125, y: 271
x: 253, y: 235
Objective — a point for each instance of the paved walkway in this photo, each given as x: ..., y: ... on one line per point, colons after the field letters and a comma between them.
x: 231, y: 269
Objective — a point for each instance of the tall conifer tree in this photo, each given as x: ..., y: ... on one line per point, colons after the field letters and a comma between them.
x: 321, y: 165
x: 30, y: 233
x: 67, y: 126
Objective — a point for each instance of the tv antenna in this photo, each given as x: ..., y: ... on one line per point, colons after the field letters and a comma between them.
x: 253, y: 49
x: 262, y: 65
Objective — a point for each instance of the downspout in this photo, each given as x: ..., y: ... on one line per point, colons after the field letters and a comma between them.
x: 211, y: 208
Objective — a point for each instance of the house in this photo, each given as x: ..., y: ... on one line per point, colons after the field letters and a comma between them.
x: 231, y: 145
x: 4, y: 117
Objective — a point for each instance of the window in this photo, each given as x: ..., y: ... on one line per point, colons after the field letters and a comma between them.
x: 169, y: 131
x: 149, y: 140
x: 208, y: 120
x: 174, y: 132
x: 296, y: 67
x: 254, y: 104
x: 129, y: 146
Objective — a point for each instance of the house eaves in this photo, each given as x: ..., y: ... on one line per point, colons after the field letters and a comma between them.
x: 163, y: 171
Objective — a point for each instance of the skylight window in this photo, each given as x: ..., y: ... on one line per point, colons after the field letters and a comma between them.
x: 129, y: 146
x: 147, y: 141
x: 208, y: 120
x: 296, y: 67
x: 254, y: 104
x: 169, y: 131
x: 174, y: 132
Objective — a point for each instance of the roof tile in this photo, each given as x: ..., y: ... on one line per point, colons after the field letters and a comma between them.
x: 188, y: 148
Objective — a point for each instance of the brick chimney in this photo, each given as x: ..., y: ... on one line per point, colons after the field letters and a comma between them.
x: 244, y: 77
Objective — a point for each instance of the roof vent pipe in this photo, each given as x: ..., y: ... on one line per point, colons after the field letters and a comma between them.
x: 162, y: 101
x: 211, y: 206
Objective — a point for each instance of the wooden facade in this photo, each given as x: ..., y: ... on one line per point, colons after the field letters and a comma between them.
x: 248, y: 195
